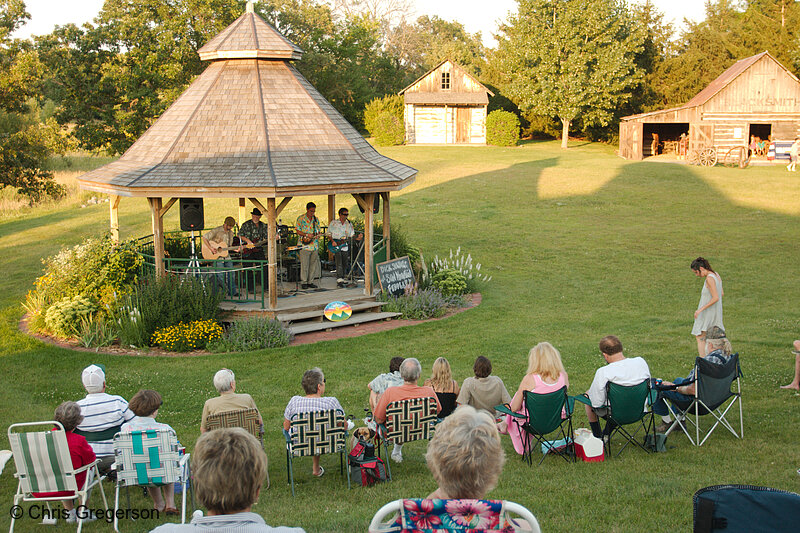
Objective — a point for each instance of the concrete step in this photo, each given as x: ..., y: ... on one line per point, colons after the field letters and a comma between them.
x: 360, y: 318
x: 319, y: 313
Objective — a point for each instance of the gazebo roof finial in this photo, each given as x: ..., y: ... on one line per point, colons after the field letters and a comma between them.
x: 250, y: 37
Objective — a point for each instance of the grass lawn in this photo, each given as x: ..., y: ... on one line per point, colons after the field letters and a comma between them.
x: 580, y: 244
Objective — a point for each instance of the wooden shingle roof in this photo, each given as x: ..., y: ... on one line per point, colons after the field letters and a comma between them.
x: 249, y: 127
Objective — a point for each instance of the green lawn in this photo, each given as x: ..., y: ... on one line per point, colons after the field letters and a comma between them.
x: 580, y: 244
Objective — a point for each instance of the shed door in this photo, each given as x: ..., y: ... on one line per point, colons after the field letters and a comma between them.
x: 701, y: 136
x: 429, y: 124
x: 463, y: 119
x: 630, y: 140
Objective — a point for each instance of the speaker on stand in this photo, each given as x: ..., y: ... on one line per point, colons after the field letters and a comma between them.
x: 192, y: 219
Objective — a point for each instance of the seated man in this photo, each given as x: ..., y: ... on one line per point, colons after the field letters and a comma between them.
x: 483, y: 391
x: 228, y: 498
x: 228, y: 399
x: 718, y: 351
x: 410, y: 370
x: 314, y: 387
x: 378, y: 385
x: 619, y: 370
x: 103, y: 415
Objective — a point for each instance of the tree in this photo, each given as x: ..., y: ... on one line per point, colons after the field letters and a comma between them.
x: 570, y: 58
x: 25, y: 143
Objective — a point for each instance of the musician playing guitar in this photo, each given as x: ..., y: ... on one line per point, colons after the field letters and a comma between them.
x: 308, y: 229
x: 216, y: 240
x: 254, y: 232
x: 341, y: 233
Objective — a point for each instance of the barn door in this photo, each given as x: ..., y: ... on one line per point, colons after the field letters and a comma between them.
x: 463, y: 118
x: 630, y: 140
x: 701, y: 136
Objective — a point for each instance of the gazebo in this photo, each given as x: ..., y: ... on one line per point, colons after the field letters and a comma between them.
x: 251, y: 127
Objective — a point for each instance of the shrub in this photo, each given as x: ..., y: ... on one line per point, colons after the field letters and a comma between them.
x: 128, y: 321
x: 460, y: 263
x: 389, y: 130
x: 94, y: 333
x: 63, y: 318
x: 449, y: 282
x: 392, y: 104
x: 427, y: 303
x: 502, y: 128
x: 184, y: 337
x: 253, y: 334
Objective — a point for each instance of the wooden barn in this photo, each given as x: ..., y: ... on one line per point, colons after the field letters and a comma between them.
x: 756, y: 96
x: 446, y: 105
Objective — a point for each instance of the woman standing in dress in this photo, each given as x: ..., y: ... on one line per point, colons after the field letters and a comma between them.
x: 709, y: 310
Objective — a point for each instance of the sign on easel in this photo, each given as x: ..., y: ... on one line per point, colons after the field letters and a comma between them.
x: 395, y: 275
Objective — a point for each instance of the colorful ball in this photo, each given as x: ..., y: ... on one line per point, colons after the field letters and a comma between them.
x: 338, y: 311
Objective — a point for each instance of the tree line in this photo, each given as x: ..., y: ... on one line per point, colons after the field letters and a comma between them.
x: 564, y: 66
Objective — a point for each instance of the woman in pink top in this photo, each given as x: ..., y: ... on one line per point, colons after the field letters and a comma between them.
x: 545, y: 374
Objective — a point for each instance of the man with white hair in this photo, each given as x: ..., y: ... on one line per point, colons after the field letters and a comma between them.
x: 410, y: 370
x: 228, y: 399
x: 103, y: 415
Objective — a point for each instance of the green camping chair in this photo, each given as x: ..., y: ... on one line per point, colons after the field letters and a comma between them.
x: 44, y: 465
x: 543, y: 416
x: 628, y: 404
x: 150, y: 458
x: 712, y: 396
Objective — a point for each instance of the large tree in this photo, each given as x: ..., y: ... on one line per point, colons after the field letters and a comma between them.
x: 570, y: 59
x: 25, y: 142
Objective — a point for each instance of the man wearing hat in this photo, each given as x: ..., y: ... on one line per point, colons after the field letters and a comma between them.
x: 103, y: 414
x: 254, y: 231
x: 718, y: 351
x: 222, y: 237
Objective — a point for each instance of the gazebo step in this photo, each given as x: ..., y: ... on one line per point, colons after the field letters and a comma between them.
x: 320, y: 313
x: 361, y: 318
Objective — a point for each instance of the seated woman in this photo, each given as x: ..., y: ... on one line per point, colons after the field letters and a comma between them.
x: 68, y: 414
x: 314, y: 387
x: 545, y: 374
x: 228, y: 468
x: 444, y: 385
x: 145, y: 405
x: 718, y: 351
x: 484, y: 391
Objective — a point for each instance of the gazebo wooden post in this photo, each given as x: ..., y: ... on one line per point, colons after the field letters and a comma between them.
x: 242, y: 210
x: 386, y: 227
x: 113, y: 215
x: 368, y: 232
x: 272, y: 253
x: 331, y: 207
x: 158, y: 235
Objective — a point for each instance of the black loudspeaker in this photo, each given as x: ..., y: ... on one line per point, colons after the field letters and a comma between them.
x: 376, y: 205
x: 191, y: 214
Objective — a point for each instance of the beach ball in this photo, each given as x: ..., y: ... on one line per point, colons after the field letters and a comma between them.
x: 338, y: 311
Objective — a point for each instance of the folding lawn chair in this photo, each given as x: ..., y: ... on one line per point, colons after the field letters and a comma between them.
x: 44, y: 465
x: 628, y: 404
x: 712, y: 396
x: 543, y: 415
x: 150, y: 458
x: 745, y: 508
x: 487, y: 516
x: 406, y: 421
x: 249, y: 419
x: 316, y: 433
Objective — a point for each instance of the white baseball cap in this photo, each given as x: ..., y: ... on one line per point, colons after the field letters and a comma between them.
x: 94, y: 378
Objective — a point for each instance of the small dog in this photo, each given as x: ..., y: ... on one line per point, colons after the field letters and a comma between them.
x: 362, y: 433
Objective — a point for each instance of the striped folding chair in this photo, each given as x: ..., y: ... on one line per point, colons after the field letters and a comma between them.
x: 316, y: 433
x: 249, y: 419
x: 406, y: 421
x: 44, y: 465
x: 150, y: 458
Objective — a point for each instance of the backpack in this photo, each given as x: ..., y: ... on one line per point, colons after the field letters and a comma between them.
x: 365, y: 469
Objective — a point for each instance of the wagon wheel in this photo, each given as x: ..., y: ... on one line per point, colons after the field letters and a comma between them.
x: 744, y: 159
x: 737, y: 156
x: 693, y: 157
x: 708, y: 157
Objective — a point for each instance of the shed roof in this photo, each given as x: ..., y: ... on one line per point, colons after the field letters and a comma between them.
x: 456, y: 66
x: 249, y: 127
x: 446, y: 98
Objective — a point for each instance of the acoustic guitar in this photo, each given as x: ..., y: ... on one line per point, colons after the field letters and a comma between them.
x: 223, y: 251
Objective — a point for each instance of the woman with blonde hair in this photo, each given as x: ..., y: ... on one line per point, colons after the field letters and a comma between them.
x: 444, y: 385
x: 545, y: 374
